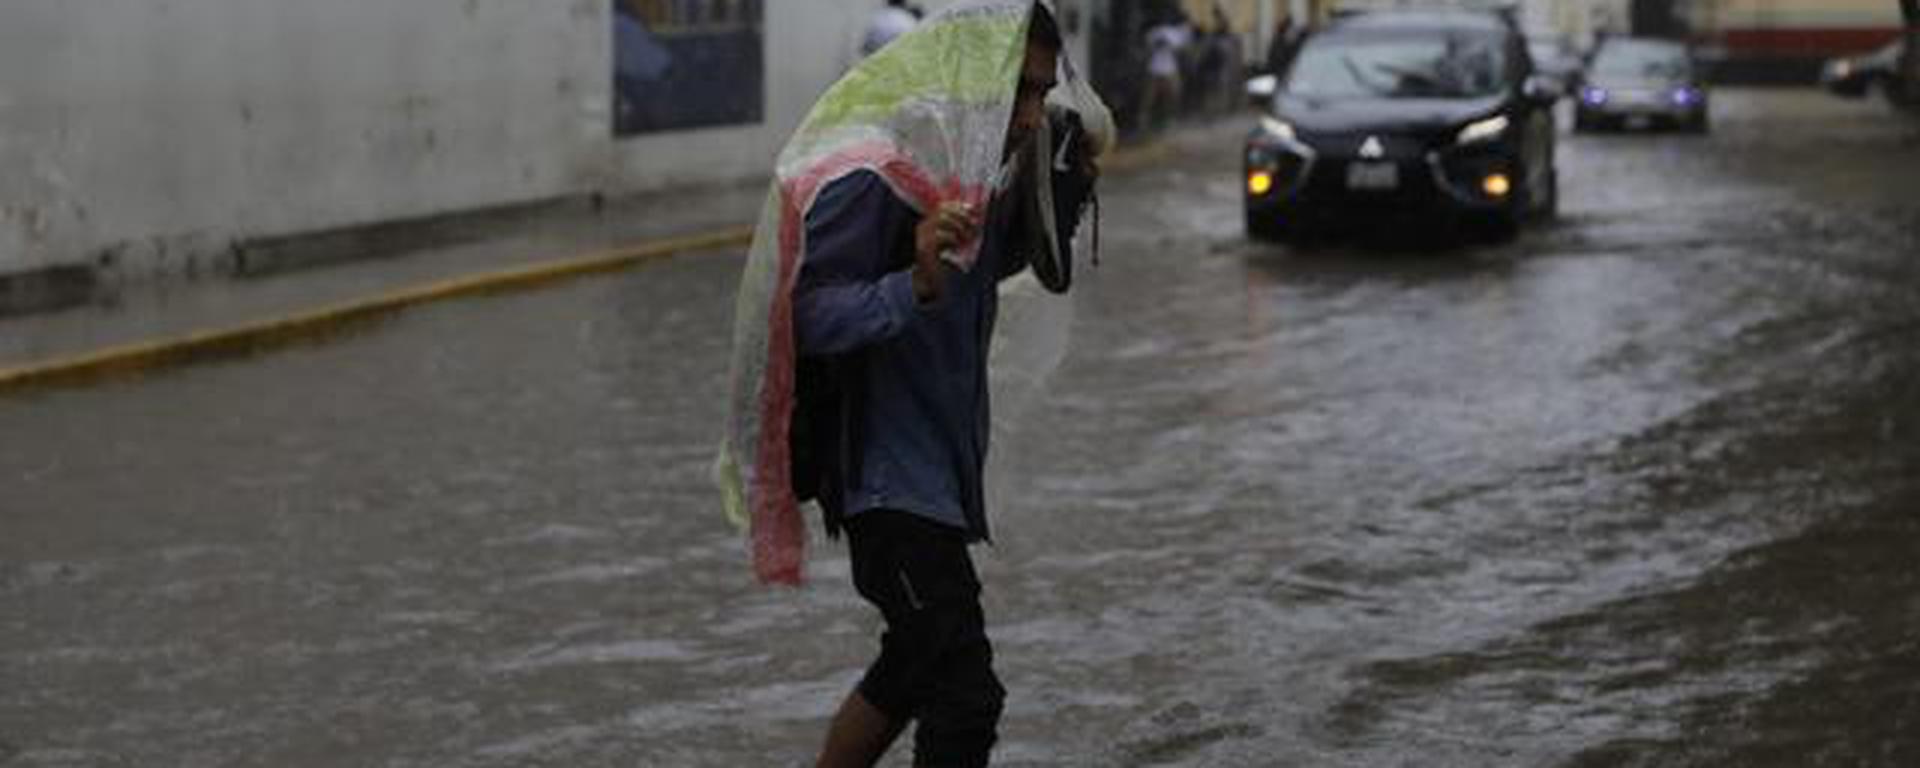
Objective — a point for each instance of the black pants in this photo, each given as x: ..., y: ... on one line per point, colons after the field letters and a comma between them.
x: 935, y: 664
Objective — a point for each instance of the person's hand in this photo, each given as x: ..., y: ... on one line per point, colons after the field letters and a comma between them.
x: 1090, y: 166
x: 950, y: 226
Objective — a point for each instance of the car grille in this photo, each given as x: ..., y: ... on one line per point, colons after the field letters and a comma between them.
x: 1328, y: 184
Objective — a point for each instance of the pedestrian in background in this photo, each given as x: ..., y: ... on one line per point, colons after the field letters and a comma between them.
x: 1286, y: 40
x: 1166, y: 49
x: 1221, y: 67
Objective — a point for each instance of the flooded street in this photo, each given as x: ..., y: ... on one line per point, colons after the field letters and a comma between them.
x: 1640, y: 488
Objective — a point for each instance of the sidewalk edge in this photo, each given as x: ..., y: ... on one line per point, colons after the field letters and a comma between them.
x: 137, y: 357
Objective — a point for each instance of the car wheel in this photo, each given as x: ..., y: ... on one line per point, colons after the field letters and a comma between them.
x: 1503, y: 227
x: 1582, y: 123
x: 1698, y: 124
x: 1264, y: 228
x: 1889, y: 90
x: 1549, y: 205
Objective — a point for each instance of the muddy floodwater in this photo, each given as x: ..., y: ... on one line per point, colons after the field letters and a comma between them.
x: 1639, y: 488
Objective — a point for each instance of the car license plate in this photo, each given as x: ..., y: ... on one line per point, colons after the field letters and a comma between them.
x: 1373, y: 176
x: 1639, y: 122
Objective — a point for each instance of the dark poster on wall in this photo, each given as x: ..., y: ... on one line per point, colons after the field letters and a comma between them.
x: 682, y: 64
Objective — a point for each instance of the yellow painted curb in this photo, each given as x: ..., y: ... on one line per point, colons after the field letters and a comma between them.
x: 143, y: 356
x: 146, y: 356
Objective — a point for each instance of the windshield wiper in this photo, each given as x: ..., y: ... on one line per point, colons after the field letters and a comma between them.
x: 1360, y: 76
x: 1413, y: 82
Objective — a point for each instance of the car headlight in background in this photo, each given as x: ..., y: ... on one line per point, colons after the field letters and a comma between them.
x: 1685, y: 96
x: 1259, y: 183
x: 1278, y: 128
x: 1496, y: 185
x: 1484, y: 130
x: 1592, y: 96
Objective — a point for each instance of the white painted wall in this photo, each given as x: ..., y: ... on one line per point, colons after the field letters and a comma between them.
x: 156, y: 131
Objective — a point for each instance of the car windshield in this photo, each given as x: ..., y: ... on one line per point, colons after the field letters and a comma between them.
x: 1401, y: 65
x: 1642, y: 61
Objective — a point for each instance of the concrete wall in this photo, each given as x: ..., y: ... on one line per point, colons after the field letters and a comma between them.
x: 148, y: 134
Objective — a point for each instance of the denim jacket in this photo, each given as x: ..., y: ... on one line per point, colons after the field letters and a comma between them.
x: 892, y: 411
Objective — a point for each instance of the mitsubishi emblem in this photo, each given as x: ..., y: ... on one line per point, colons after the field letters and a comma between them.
x: 1372, y: 149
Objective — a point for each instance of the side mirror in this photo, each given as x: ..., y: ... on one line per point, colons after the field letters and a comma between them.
x: 1544, y: 89
x: 1262, y: 89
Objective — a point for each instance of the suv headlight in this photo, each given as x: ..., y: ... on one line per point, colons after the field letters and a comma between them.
x: 1278, y: 128
x: 1484, y: 130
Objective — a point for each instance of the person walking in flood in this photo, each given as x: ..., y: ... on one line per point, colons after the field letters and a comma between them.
x: 861, y: 344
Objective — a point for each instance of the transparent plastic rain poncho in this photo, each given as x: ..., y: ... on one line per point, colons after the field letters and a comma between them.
x: 929, y: 114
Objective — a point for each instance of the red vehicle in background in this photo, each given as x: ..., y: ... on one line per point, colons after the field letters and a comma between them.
x: 1787, y: 41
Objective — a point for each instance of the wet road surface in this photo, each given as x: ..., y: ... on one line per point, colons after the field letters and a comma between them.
x: 1639, y: 488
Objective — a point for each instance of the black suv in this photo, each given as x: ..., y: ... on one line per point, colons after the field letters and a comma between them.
x: 1382, y: 115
